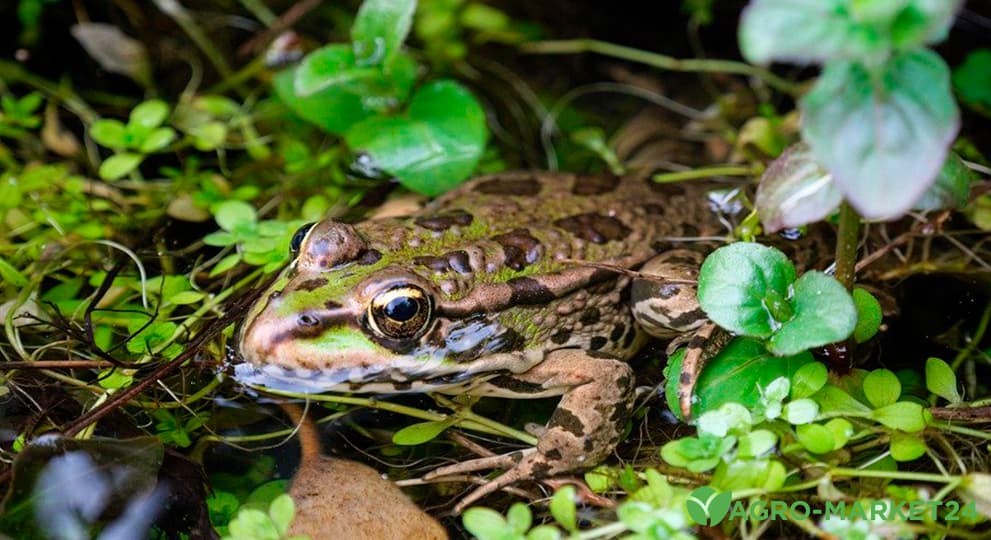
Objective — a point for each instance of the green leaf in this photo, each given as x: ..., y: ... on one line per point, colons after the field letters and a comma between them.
x: 230, y: 215
x: 422, y: 432
x: 379, y: 29
x: 757, y: 443
x: 743, y: 287
x: 923, y: 22
x: 563, y: 509
x: 768, y: 32
x: 739, y: 474
x: 519, y: 518
x: 149, y: 115
x: 824, y: 313
x: 815, y: 438
x: 281, y: 511
x: 952, y: 187
x: 941, y: 380
x: 110, y: 133
x: 972, y: 79
x: 732, y: 375
x: 869, y: 315
x: 884, y: 136
x: 905, y: 447
x: 347, y: 99
x: 800, y: 411
x: 842, y: 430
x: 12, y: 275
x: 835, y: 400
x: 808, y: 379
x: 115, y: 378
x: 904, y: 415
x: 119, y: 165
x: 543, y: 532
x: 882, y: 388
x: 795, y: 190
x: 330, y: 66
x: 434, y: 146
x: 158, y: 139
x: 600, y: 478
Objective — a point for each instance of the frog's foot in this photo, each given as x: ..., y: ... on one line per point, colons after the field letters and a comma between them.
x: 703, y: 345
x: 584, y: 429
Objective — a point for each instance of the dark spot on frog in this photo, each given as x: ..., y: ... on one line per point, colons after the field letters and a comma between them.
x: 402, y: 385
x: 526, y: 187
x: 597, y: 343
x: 653, y: 209
x: 455, y: 260
x: 590, y: 316
x: 595, y: 228
x: 566, y: 420
x: 520, y: 247
x: 685, y: 378
x: 369, y: 256
x: 330, y: 304
x: 560, y: 337
x: 515, y: 385
x: 617, y: 332
x: 528, y: 291
x: 687, y: 318
x: 442, y: 222
x: 595, y: 185
x: 312, y: 284
x: 553, y: 453
x: 631, y: 334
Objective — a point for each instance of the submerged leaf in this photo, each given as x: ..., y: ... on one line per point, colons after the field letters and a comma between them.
x: 795, y: 190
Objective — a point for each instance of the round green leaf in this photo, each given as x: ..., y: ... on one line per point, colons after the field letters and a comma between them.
x: 906, y: 447
x: 232, y: 214
x: 519, y: 518
x: 842, y: 430
x: 563, y: 509
x: 434, y: 146
x: 869, y: 315
x: 808, y: 380
x: 904, y: 415
x: 281, y: 511
x: 882, y: 387
x: 330, y: 66
x: 884, y: 136
x: 972, y: 79
x: 156, y: 140
x: 485, y: 523
x: 824, y: 313
x: 379, y: 29
x: 941, y: 380
x: 800, y: 411
x: 119, y: 165
x: 743, y: 287
x: 150, y: 114
x: 795, y: 190
x: 815, y: 438
x: 757, y: 443
x: 109, y: 132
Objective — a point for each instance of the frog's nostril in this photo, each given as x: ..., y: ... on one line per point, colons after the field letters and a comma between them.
x: 307, y: 320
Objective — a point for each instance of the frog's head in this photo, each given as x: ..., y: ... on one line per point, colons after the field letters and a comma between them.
x: 342, y: 317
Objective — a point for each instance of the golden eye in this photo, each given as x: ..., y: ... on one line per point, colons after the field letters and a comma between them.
x: 399, y: 313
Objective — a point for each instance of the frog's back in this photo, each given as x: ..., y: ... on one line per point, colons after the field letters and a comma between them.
x: 533, y: 223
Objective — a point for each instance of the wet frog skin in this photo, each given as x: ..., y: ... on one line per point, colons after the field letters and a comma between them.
x: 513, y: 285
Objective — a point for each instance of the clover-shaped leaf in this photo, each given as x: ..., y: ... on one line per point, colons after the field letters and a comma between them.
x: 750, y: 289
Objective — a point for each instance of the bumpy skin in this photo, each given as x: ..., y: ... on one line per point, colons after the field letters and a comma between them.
x: 524, y: 273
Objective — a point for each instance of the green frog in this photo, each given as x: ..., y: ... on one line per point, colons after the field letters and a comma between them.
x: 518, y: 285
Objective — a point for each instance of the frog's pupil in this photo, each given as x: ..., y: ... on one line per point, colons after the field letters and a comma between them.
x: 402, y: 308
x: 297, y: 238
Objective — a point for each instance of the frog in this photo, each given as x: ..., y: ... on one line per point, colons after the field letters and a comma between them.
x: 522, y: 285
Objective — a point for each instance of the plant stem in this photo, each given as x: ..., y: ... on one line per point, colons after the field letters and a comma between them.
x: 573, y: 46
x: 847, y: 239
x: 704, y: 172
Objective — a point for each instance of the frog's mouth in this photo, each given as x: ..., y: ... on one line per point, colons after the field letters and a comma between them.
x: 379, y: 381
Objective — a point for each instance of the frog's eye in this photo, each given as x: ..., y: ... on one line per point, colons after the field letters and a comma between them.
x: 298, y: 237
x: 400, y: 312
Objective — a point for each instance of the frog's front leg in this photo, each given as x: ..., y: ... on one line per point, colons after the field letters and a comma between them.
x: 665, y: 304
x: 586, y: 426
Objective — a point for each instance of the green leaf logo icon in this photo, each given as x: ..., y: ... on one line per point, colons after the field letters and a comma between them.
x: 707, y: 506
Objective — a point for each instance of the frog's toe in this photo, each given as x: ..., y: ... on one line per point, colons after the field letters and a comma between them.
x: 504, y: 461
x: 530, y: 467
